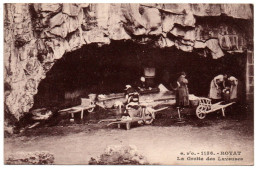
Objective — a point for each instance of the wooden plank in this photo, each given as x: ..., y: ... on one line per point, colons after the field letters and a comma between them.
x: 125, y: 121
x: 218, y: 107
x: 109, y: 120
x: 76, y: 109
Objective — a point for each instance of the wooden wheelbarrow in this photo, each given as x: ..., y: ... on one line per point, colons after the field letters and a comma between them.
x: 86, y: 104
x: 205, y: 107
x: 147, y: 115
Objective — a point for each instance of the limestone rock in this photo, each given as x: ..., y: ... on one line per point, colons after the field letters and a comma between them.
x: 71, y: 9
x: 165, y: 42
x: 41, y: 114
x: 61, y: 31
x: 31, y: 86
x: 216, y: 51
x: 37, y: 35
x: 58, y: 47
x: 178, y: 32
x: 95, y: 36
x: 30, y: 158
x: 237, y: 10
x: 117, y: 32
x: 182, y: 45
x: 102, y: 15
x: 199, y: 44
x: 206, y: 9
x: 152, y: 20
x: 58, y: 19
x: 120, y: 155
x: 45, y: 7
x: 167, y: 22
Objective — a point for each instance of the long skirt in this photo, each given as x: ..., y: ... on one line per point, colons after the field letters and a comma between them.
x: 183, y: 96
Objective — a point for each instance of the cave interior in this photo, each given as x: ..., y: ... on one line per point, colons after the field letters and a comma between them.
x: 108, y: 68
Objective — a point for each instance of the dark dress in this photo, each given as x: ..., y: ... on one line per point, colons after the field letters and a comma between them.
x: 182, y: 95
x: 133, y: 95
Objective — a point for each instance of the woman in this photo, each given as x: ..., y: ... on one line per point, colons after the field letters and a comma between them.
x: 233, y: 89
x: 182, y: 95
x: 216, y: 87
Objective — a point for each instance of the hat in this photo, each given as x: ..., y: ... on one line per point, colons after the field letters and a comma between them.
x: 183, y: 73
x: 127, y: 87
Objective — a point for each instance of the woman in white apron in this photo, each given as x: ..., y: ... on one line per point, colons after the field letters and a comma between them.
x: 233, y: 89
x: 216, y: 86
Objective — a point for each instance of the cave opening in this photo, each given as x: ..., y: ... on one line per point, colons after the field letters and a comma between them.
x: 107, y: 69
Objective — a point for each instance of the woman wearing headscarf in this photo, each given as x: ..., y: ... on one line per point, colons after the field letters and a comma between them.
x: 216, y: 86
x: 182, y: 95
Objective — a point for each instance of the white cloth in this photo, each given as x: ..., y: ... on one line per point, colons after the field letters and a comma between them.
x: 162, y: 87
x: 233, y: 89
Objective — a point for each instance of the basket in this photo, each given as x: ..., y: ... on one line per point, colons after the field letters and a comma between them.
x: 149, y: 71
x: 92, y: 97
x: 85, y: 102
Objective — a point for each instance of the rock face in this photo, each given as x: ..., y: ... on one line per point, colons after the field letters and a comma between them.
x: 37, y: 35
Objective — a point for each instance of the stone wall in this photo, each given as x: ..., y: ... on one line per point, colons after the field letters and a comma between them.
x: 37, y: 35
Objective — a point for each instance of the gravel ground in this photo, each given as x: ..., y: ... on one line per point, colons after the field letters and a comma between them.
x: 164, y: 142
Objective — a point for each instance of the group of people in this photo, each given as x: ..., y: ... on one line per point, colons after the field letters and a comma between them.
x: 222, y: 87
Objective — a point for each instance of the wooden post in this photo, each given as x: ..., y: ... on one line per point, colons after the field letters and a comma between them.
x: 223, y: 112
x: 81, y: 116
x: 72, y: 117
x: 120, y: 109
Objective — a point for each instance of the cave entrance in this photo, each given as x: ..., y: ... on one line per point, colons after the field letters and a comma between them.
x: 107, y: 69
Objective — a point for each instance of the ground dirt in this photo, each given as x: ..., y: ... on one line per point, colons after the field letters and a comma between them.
x: 161, y: 143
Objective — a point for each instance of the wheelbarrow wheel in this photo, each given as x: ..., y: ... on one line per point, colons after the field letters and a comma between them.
x: 200, y: 112
x: 148, y: 119
x: 91, y: 109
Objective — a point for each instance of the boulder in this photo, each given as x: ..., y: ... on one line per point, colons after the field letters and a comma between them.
x: 30, y: 158
x: 120, y: 155
x: 41, y: 114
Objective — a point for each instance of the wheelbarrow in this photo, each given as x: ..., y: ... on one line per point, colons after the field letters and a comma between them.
x: 206, y: 107
x: 86, y: 104
x: 146, y: 116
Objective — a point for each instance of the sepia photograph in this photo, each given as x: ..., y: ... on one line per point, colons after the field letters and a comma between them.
x: 128, y: 83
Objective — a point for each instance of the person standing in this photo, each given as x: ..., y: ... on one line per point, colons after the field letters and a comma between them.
x: 182, y: 93
x: 216, y: 87
x: 142, y: 84
x: 233, y: 89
